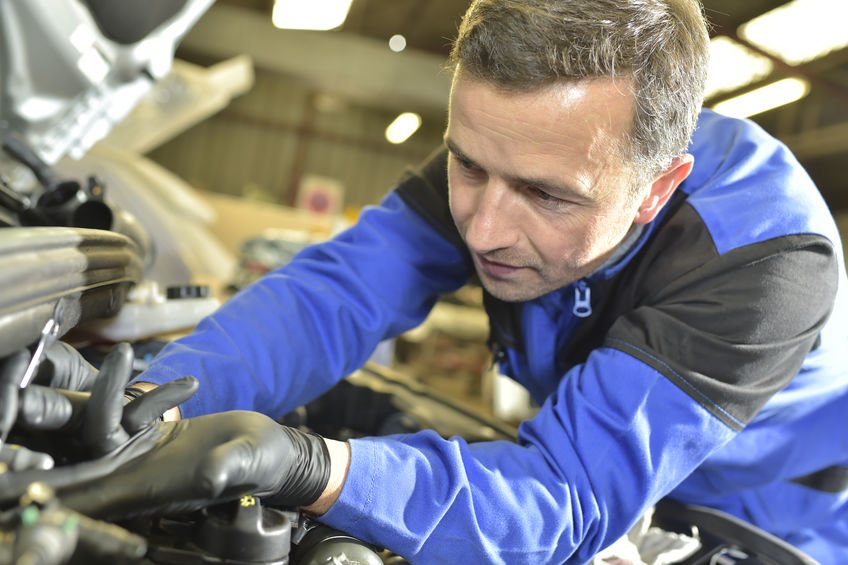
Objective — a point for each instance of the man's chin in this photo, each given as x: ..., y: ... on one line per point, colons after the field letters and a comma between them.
x: 509, y: 291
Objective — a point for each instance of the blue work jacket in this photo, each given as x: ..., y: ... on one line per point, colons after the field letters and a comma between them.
x: 705, y: 363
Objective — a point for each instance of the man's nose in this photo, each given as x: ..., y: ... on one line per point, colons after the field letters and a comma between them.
x: 494, y: 223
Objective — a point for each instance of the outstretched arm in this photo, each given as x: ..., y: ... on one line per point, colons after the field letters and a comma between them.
x: 293, y: 334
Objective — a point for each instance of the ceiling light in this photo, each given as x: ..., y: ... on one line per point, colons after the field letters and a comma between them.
x: 765, y: 98
x: 314, y: 14
x: 732, y: 66
x: 397, y: 43
x: 402, y: 127
x: 801, y: 30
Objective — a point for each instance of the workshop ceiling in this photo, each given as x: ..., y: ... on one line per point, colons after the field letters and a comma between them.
x: 815, y: 128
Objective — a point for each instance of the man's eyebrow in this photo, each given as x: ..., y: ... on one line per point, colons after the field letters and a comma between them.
x: 457, y: 152
x: 554, y: 187
x: 547, y: 185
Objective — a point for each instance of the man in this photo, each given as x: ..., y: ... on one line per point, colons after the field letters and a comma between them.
x: 674, y: 313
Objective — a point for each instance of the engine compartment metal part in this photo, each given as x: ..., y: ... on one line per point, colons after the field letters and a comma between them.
x: 70, y: 70
x: 93, y: 269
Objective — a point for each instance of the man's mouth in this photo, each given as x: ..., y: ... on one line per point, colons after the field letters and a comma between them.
x: 496, y: 269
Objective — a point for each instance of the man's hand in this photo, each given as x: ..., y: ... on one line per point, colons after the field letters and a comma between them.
x: 174, y: 467
x: 172, y: 414
x: 149, y: 466
x: 17, y: 458
x: 99, y: 419
x: 63, y: 367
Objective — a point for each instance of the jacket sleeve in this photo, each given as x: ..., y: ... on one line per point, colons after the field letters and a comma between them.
x: 290, y: 336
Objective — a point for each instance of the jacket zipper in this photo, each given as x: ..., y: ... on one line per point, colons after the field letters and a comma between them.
x: 582, y: 300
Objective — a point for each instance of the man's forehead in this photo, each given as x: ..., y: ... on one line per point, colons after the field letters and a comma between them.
x: 583, y: 122
x: 615, y: 97
x: 596, y: 104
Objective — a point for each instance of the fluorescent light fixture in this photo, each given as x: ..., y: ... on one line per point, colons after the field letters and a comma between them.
x: 397, y: 43
x: 732, y: 66
x: 402, y: 127
x: 310, y: 14
x: 801, y: 30
x: 764, y: 98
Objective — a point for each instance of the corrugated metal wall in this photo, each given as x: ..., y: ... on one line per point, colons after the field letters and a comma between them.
x: 265, y: 141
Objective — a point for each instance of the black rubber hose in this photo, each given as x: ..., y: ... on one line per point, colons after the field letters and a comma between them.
x: 18, y: 149
x: 93, y: 269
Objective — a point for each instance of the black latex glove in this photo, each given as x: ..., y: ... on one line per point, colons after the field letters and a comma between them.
x: 99, y: 420
x: 175, y: 467
x: 17, y: 458
x: 11, y: 372
x: 64, y: 367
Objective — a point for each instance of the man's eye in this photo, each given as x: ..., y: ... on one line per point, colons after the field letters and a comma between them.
x: 542, y: 195
x: 469, y: 169
x: 466, y: 164
x: 546, y: 200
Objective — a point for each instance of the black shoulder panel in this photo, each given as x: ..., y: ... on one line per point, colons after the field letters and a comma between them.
x: 731, y: 329
x: 830, y: 479
x: 425, y: 190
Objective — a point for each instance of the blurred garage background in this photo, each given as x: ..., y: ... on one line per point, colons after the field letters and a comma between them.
x: 321, y: 101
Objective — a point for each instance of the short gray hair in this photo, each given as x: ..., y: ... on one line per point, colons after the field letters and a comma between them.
x: 662, y: 46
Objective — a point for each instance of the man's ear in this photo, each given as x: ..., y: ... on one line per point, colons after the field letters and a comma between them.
x: 663, y: 187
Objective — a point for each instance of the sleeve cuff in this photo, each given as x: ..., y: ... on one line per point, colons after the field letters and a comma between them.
x: 352, y: 509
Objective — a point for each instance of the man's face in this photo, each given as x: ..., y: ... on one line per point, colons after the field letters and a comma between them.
x: 537, y: 190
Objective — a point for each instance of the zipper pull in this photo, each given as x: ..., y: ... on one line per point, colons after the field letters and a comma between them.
x: 582, y: 300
